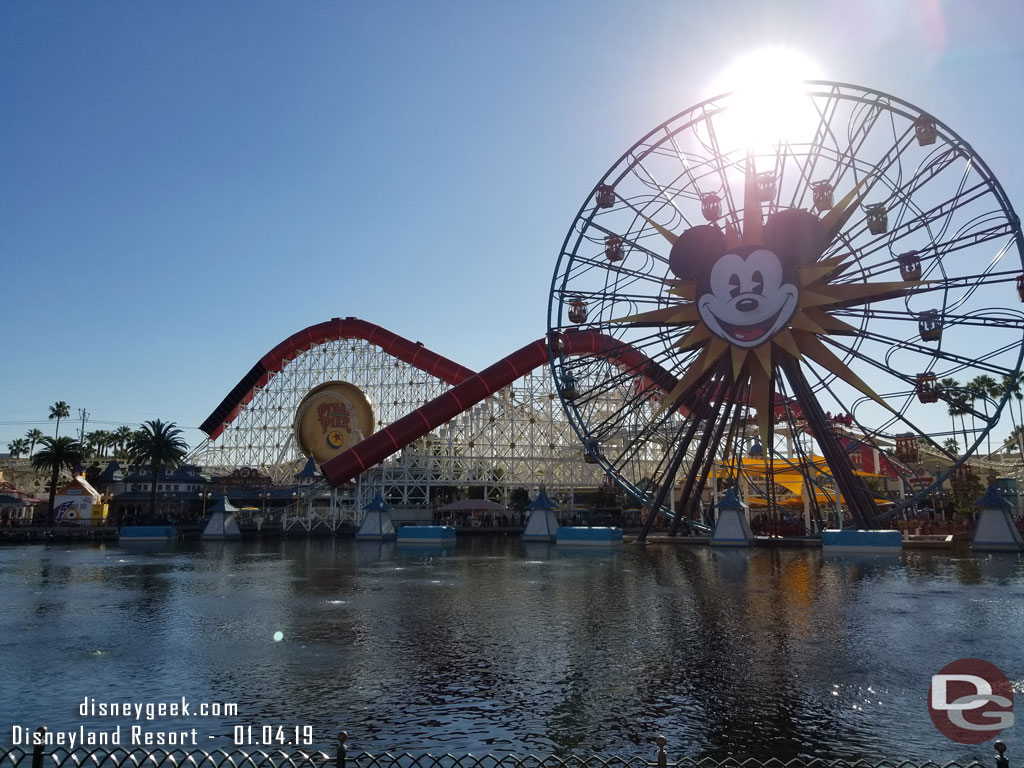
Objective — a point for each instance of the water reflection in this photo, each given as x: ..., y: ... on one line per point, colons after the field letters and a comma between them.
x: 499, y: 645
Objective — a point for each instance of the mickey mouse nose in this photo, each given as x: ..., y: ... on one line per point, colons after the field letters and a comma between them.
x: 746, y: 305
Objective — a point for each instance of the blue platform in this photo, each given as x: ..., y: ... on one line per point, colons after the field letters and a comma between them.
x: 148, y: 533
x: 853, y: 540
x: 426, y: 534
x: 589, y: 537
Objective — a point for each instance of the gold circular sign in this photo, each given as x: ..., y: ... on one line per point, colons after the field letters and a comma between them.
x: 331, y: 419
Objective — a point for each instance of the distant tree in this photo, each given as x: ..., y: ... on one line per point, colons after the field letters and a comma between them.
x: 122, y: 437
x: 93, y: 473
x: 958, y: 402
x: 1015, y: 439
x: 984, y: 388
x: 519, y: 499
x: 59, y: 410
x: 33, y: 436
x: 18, y: 447
x: 98, y: 442
x: 1012, y: 385
x: 951, y: 445
x: 157, y: 444
x: 56, y: 455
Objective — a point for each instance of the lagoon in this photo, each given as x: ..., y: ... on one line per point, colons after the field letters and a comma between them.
x: 496, y: 645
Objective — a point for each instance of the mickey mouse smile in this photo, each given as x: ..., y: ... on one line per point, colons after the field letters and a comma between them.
x: 748, y: 334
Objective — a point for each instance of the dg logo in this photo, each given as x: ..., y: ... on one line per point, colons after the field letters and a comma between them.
x: 970, y: 701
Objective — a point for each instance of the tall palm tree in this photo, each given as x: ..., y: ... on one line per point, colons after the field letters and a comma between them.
x: 157, y: 444
x: 122, y: 437
x: 17, y: 447
x: 1012, y: 384
x: 56, y: 455
x: 33, y: 436
x: 59, y: 410
x: 957, y: 401
x: 983, y: 388
x: 98, y: 441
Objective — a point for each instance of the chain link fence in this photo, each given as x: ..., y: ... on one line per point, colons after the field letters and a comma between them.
x: 40, y: 757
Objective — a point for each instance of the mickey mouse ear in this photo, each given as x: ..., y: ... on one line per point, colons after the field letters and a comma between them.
x: 694, y: 250
x: 796, y: 236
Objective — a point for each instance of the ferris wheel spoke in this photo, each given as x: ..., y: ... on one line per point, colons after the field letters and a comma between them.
x: 815, y: 149
x: 856, y: 139
x: 1016, y: 321
x: 669, y: 200
x: 967, y: 236
x: 609, y: 386
x: 687, y: 168
x: 721, y: 167
x: 607, y: 270
x: 960, y: 361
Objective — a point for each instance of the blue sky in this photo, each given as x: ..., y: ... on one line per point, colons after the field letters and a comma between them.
x: 185, y: 184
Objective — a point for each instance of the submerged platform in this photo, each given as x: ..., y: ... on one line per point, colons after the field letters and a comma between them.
x: 426, y: 534
x: 589, y: 537
x: 148, y: 533
x: 853, y: 540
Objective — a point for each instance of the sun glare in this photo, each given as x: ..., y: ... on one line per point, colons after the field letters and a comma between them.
x: 769, y: 105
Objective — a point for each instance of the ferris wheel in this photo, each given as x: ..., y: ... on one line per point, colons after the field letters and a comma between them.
x: 839, y: 289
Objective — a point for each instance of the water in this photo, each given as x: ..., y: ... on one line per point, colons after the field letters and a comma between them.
x: 504, y: 647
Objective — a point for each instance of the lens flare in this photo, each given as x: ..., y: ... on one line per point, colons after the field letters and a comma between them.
x: 769, y: 105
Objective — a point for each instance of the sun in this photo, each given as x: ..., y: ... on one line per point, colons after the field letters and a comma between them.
x: 757, y: 304
x: 769, y: 104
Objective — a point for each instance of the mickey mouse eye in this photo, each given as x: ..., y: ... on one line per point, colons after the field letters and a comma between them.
x: 734, y: 285
x: 757, y: 282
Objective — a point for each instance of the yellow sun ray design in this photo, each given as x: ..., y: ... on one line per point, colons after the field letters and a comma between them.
x: 799, y: 336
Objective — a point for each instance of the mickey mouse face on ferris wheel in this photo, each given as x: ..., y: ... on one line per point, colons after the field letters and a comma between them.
x: 748, y: 293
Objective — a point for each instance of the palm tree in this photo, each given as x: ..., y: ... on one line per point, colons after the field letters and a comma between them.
x: 957, y: 400
x: 17, y: 447
x: 59, y: 410
x: 1012, y: 384
x: 1015, y: 438
x: 983, y: 388
x: 122, y: 437
x: 157, y: 445
x: 56, y: 455
x: 98, y: 441
x: 33, y: 436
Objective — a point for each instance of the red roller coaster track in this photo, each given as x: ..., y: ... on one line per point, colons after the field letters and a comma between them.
x: 413, y: 353
x: 464, y: 396
x: 468, y: 387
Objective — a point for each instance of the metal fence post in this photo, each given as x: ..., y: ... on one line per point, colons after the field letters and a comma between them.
x: 662, y: 754
x: 342, y: 750
x: 37, y: 750
x: 1001, y: 760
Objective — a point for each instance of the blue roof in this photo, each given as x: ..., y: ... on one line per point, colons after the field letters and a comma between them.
x: 542, y: 501
x: 992, y: 499
x: 377, y: 504
x: 731, y: 501
x: 111, y: 474
x: 223, y: 505
x: 309, y: 470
